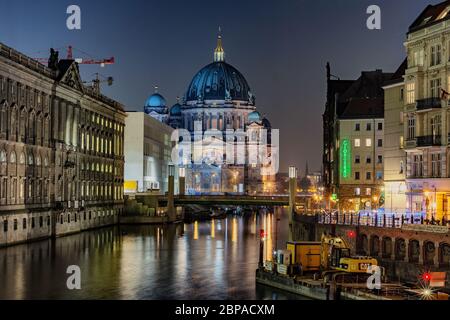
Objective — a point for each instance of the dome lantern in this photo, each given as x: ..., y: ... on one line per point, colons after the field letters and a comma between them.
x: 219, y: 53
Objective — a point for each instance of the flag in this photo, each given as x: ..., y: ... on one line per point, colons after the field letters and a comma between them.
x: 444, y: 95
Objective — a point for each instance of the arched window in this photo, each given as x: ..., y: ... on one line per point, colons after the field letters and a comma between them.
x: 30, y: 159
x: 45, y: 161
x: 3, y: 117
x: 38, y: 161
x: 12, y: 157
x: 2, y: 156
x: 22, y: 158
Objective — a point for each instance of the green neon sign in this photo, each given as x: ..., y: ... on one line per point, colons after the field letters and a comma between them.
x: 346, y: 159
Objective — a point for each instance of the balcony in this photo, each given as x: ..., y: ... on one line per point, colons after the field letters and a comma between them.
x: 429, y: 141
x: 429, y: 103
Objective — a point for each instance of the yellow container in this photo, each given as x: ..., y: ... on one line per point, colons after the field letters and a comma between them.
x: 306, y: 254
x: 130, y: 186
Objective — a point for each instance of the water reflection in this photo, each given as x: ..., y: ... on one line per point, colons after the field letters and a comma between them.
x: 206, y: 260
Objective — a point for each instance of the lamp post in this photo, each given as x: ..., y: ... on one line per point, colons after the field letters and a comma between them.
x: 292, y: 196
x: 170, y: 194
x: 182, y: 181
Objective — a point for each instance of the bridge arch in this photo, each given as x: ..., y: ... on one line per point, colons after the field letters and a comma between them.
x: 444, y: 254
x: 400, y: 249
x: 414, y: 251
x: 386, y: 247
x: 375, y: 246
x: 429, y: 252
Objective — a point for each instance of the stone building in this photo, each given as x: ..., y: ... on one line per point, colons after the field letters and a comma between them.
x: 394, y: 146
x: 353, y: 141
x: 61, y: 150
x: 426, y: 114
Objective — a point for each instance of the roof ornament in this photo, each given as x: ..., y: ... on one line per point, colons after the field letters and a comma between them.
x: 219, y: 53
x: 156, y: 88
x: 251, y: 98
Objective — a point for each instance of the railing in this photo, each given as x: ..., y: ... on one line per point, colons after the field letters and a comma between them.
x: 427, y: 141
x: 372, y: 219
x: 429, y: 103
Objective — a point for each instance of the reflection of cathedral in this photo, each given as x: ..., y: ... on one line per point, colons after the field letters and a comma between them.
x: 219, y: 98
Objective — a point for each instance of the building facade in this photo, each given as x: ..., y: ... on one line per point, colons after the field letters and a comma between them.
x: 354, y: 140
x: 148, y: 149
x: 426, y: 113
x: 394, y: 146
x: 61, y: 150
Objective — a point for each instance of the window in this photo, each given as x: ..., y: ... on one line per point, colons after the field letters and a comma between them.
x: 61, y: 217
x: 368, y: 142
x: 15, y: 224
x: 402, y: 145
x: 410, y: 93
x: 24, y: 223
x: 356, y: 175
x: 369, y: 127
x: 379, y: 175
x: 357, y: 159
x: 2, y: 156
x: 435, y: 55
x: 436, y: 165
x: 5, y: 226
x: 411, y: 128
x: 368, y: 191
x: 435, y: 88
x: 12, y: 157
x: 357, y: 127
x: 41, y: 221
x: 402, y: 94
x: 380, y: 159
x: 357, y: 191
x: 368, y: 160
x: 32, y: 223
x: 380, y: 143
x: 436, y: 125
x: 401, y: 167
x: 357, y: 142
x: 368, y: 175
x: 416, y: 58
x: 380, y: 126
x: 417, y: 165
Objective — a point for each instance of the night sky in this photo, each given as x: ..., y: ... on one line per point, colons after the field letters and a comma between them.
x: 281, y: 47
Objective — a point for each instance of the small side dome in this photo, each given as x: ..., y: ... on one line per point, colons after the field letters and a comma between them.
x: 254, y: 116
x: 175, y: 110
x: 155, y: 101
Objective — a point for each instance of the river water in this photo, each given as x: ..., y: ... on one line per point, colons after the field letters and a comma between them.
x: 204, y: 260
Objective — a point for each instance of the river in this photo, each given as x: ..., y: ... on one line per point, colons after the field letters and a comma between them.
x: 204, y: 260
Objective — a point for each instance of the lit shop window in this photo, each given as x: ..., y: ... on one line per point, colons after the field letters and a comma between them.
x: 368, y: 142
x: 357, y: 142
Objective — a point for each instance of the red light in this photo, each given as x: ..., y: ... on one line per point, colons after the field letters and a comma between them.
x: 351, y: 234
x: 261, y: 233
x: 426, y: 276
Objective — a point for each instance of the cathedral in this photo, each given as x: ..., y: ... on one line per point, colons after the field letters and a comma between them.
x: 219, y: 99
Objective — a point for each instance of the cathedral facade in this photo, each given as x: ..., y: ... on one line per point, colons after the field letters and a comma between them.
x: 218, y: 102
x: 61, y: 150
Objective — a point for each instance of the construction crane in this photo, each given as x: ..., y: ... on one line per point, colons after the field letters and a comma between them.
x: 101, y: 62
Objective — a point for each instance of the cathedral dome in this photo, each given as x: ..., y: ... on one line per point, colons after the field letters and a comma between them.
x: 219, y: 81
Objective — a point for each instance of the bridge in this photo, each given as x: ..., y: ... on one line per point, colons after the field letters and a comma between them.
x: 244, y: 200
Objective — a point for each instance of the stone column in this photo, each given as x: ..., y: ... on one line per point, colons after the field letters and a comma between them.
x: 421, y: 252
x: 436, y: 254
x: 407, y: 250
x: 182, y: 181
x: 444, y: 124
